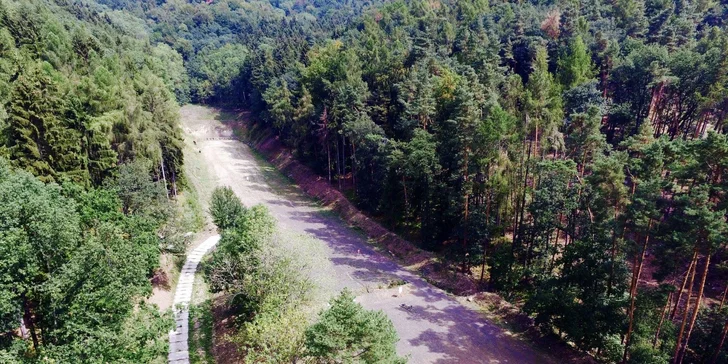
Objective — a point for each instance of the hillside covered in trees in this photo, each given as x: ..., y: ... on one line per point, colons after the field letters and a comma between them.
x: 90, y: 160
x: 560, y: 152
x: 570, y: 155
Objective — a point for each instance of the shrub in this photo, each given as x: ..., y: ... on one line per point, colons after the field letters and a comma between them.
x: 225, y: 208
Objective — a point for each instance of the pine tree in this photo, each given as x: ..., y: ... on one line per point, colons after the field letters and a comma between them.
x: 575, y: 67
x: 544, y: 105
x: 34, y: 112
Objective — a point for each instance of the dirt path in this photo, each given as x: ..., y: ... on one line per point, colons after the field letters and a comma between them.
x: 433, y: 327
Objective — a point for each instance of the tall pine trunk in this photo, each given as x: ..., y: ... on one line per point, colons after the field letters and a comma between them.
x: 662, y: 319
x: 465, y: 225
x: 29, y: 322
x: 697, y: 307
x: 338, y: 164
x: 328, y: 155
x: 353, y: 164
x: 637, y: 271
x: 681, y: 333
x: 164, y: 177
x: 723, y: 334
x: 682, y: 287
x: 522, y: 203
x: 610, y: 281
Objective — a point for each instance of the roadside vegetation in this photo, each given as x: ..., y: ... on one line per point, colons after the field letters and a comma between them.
x: 90, y: 179
x: 271, y: 301
x: 75, y: 268
x: 201, y: 333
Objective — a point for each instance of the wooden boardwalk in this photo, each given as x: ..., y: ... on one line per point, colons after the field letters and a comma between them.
x: 178, y: 347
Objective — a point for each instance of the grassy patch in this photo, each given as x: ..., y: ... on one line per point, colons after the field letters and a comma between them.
x: 201, y: 328
x: 396, y: 283
x: 272, y: 174
x: 311, y: 255
x: 191, y: 210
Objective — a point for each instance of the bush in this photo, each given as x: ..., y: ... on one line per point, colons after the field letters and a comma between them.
x: 348, y: 333
x: 225, y: 208
x: 265, y: 287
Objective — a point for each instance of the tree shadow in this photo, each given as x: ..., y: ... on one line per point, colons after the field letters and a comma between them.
x: 462, y: 329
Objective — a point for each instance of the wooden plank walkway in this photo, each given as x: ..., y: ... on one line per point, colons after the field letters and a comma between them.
x: 178, y: 348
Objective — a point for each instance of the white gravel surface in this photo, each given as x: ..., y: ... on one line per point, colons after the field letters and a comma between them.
x: 178, y: 338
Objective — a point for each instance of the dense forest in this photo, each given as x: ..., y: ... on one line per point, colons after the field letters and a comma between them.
x: 570, y: 155
x: 90, y: 158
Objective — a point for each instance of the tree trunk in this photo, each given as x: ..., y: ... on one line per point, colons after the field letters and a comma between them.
x: 522, y: 203
x: 662, y: 319
x: 722, y: 300
x: 714, y: 359
x: 610, y: 282
x: 174, y: 183
x: 343, y: 155
x: 697, y: 307
x: 328, y: 155
x: 485, y: 241
x: 654, y: 100
x: 28, y: 317
x: 465, y: 225
x: 637, y: 271
x: 23, y: 329
x: 536, y: 152
x: 353, y: 165
x: 678, y: 344
x: 682, y: 287
x: 556, y: 248
x: 338, y: 164
x: 605, y: 77
x: 164, y: 177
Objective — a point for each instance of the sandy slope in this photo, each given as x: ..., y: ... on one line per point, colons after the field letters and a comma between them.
x: 433, y: 327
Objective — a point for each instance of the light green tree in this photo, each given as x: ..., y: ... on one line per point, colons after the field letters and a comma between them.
x: 348, y: 333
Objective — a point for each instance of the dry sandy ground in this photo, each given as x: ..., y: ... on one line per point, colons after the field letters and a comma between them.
x: 432, y: 326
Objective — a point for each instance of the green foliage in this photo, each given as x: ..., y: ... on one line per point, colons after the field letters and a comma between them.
x: 74, y: 270
x: 85, y: 93
x: 215, y: 71
x: 348, y: 333
x: 225, y: 208
x: 39, y: 230
x: 576, y: 67
x: 265, y: 287
x: 557, y: 147
x: 277, y: 294
x: 139, y: 194
x: 141, y: 339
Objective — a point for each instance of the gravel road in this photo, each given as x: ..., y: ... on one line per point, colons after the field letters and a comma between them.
x: 432, y: 326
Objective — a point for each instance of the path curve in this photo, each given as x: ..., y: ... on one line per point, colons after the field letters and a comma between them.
x: 432, y: 326
x: 178, y: 347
